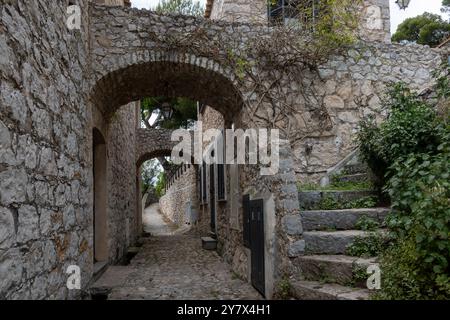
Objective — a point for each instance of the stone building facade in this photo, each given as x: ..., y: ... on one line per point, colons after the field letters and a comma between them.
x: 71, y: 146
x: 374, y: 24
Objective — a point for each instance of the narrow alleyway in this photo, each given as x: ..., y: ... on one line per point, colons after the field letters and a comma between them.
x: 154, y: 222
x: 174, y: 267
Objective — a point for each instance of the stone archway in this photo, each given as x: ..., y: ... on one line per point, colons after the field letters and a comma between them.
x: 130, y: 64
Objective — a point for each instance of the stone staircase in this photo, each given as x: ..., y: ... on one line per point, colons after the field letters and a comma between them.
x: 327, y: 269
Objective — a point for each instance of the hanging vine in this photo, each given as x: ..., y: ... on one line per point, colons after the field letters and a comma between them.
x: 278, y: 57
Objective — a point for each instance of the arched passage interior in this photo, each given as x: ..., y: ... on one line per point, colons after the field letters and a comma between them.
x: 100, y: 197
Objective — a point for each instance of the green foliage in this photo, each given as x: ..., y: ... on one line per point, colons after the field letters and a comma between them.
x: 366, y: 223
x: 150, y: 171
x: 365, y: 202
x: 414, y: 143
x: 284, y: 289
x: 184, y: 112
x: 359, y: 275
x: 369, y: 246
x: 420, y: 190
x: 411, y: 127
x: 330, y: 203
x: 427, y: 28
x: 184, y: 7
x: 336, y: 185
x: 403, y: 276
x: 445, y: 6
x: 336, y: 23
x: 161, y: 184
x: 339, y: 185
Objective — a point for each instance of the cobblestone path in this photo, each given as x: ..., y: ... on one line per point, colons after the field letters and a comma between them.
x: 175, y: 267
x: 154, y: 223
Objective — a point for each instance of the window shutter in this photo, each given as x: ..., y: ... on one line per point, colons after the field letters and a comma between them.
x: 204, y: 191
x: 199, y: 183
x: 221, y: 182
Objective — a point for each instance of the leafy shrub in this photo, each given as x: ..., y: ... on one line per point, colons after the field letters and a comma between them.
x: 330, y: 203
x: 369, y: 246
x: 420, y: 190
x: 366, y: 223
x: 411, y: 127
x: 412, y: 148
x: 402, y: 276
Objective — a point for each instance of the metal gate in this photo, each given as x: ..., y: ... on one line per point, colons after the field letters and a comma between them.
x: 257, y: 244
x: 212, y: 202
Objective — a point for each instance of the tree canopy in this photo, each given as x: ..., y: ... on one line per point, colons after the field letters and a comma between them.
x: 184, y: 112
x: 185, y: 7
x: 446, y: 6
x: 427, y: 29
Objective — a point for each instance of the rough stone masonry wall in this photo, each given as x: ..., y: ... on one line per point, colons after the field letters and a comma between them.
x: 374, y: 24
x: 181, y: 196
x: 122, y: 215
x: 46, y: 191
x: 351, y: 87
x: 45, y: 178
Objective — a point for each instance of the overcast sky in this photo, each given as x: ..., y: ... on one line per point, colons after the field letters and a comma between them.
x: 397, y: 16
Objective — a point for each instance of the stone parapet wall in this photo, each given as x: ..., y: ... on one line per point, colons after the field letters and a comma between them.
x: 181, y: 196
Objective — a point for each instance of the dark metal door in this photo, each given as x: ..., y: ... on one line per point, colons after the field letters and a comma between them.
x: 212, y: 203
x: 257, y: 244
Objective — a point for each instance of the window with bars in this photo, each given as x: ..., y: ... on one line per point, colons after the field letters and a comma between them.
x: 293, y: 12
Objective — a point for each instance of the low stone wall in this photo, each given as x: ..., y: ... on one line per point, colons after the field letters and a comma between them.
x: 181, y: 196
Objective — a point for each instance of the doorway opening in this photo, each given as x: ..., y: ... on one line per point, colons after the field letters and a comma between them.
x: 100, y: 198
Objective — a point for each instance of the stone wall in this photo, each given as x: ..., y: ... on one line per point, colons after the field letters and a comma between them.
x: 181, y: 196
x: 54, y: 92
x: 122, y: 194
x: 374, y: 25
x: 45, y: 175
x: 152, y: 143
x: 351, y: 87
x: 240, y: 10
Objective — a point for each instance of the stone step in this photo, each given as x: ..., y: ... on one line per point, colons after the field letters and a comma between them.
x: 113, y: 277
x: 209, y: 243
x: 355, y: 168
x: 310, y: 199
x: 99, y: 269
x: 340, y: 219
x: 340, y: 269
x: 336, y: 242
x: 357, y: 177
x: 312, y: 290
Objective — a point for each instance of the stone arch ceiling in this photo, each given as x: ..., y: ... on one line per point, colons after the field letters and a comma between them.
x: 133, y: 56
x: 165, y: 78
x: 153, y: 143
